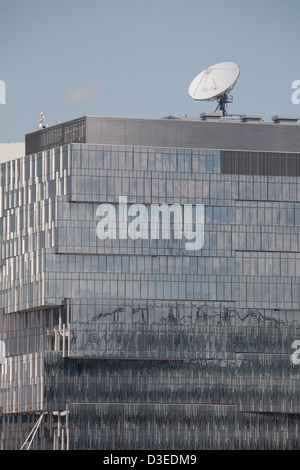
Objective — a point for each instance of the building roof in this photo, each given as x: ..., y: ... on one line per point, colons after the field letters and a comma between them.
x: 210, y: 130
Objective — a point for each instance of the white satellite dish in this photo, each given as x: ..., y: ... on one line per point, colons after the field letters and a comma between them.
x: 214, y: 83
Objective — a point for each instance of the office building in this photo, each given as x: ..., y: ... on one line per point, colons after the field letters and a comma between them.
x: 142, y: 342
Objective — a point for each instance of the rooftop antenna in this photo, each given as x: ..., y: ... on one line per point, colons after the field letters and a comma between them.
x: 41, y: 122
x: 214, y: 84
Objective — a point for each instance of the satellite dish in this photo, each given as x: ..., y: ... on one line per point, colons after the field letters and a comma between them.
x: 214, y: 83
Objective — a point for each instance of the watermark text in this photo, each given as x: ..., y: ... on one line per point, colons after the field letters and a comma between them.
x: 2, y: 352
x: 2, y: 92
x: 139, y: 221
x: 296, y: 93
x: 296, y: 354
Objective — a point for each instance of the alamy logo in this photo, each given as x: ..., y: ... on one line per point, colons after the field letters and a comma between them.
x: 2, y: 92
x: 296, y: 94
x: 139, y: 221
x: 295, y: 356
x: 2, y: 352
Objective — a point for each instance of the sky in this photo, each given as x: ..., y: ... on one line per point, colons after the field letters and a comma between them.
x: 137, y: 58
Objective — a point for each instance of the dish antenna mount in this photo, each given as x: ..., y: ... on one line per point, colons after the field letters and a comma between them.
x: 214, y: 84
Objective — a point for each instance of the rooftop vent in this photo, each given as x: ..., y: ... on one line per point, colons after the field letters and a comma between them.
x: 251, y: 118
x: 211, y: 116
x: 285, y: 119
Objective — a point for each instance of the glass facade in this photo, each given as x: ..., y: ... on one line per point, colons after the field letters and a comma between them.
x: 142, y: 343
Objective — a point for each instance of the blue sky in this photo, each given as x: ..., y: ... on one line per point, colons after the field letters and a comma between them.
x: 136, y: 58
